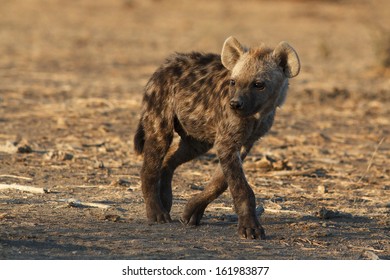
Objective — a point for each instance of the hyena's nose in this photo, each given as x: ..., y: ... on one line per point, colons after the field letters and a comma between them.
x: 236, y: 104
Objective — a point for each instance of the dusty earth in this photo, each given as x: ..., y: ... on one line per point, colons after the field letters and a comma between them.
x: 71, y: 81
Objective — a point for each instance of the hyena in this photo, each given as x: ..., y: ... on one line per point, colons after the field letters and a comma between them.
x: 225, y: 101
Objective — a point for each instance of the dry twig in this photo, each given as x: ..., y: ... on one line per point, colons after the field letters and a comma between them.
x: 23, y: 188
x: 285, y: 211
x: 77, y: 203
x: 289, y: 173
x: 372, y: 159
x: 15, y: 177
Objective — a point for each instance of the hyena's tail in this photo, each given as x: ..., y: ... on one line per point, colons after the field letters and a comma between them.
x: 139, y: 138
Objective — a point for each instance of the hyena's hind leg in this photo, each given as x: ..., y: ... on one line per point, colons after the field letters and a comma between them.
x: 154, y: 145
x: 187, y: 149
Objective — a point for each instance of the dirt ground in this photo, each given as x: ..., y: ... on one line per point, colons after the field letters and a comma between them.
x: 71, y: 80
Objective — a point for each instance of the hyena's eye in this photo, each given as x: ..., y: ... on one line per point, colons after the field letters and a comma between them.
x: 232, y: 82
x: 259, y: 85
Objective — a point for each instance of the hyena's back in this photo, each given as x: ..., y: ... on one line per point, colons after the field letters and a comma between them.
x: 184, y: 94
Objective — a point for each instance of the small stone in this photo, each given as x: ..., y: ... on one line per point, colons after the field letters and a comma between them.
x: 197, y: 188
x: 277, y: 199
x: 112, y: 218
x: 326, y: 214
x: 264, y: 163
x: 25, y: 149
x: 124, y: 182
x: 322, y: 189
x: 259, y: 210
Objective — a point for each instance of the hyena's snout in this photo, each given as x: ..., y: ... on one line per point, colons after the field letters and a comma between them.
x: 237, y: 103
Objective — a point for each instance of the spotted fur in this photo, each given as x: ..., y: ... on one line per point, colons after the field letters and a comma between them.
x: 226, y: 101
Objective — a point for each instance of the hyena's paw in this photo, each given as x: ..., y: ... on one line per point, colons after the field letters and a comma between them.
x: 192, y: 215
x: 250, y: 228
x: 157, y: 214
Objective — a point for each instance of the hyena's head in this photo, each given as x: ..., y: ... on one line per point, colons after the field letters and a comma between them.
x: 259, y: 76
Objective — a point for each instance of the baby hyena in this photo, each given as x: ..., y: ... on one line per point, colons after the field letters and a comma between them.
x: 226, y: 101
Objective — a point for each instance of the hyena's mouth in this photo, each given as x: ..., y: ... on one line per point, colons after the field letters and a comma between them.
x: 244, y: 113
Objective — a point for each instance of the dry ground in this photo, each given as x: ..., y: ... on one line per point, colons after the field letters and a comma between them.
x: 71, y: 80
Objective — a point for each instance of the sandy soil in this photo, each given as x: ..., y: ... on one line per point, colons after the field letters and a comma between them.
x: 71, y: 81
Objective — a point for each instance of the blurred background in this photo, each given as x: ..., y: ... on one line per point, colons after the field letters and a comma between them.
x: 126, y: 37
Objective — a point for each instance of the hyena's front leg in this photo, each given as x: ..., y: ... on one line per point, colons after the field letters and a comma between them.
x: 195, y: 207
x: 243, y: 196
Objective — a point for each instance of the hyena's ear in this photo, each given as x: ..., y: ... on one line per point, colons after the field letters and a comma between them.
x: 287, y: 58
x: 231, y: 52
